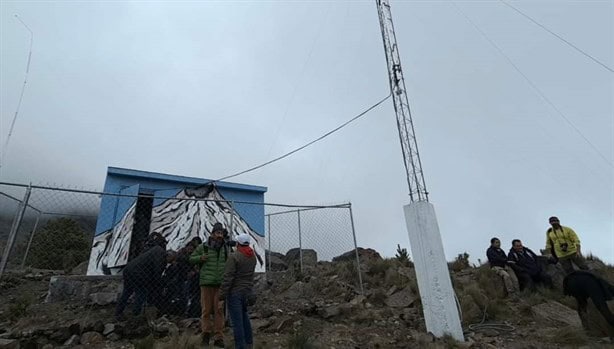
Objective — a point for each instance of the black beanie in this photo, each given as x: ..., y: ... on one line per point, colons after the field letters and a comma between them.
x: 217, y: 227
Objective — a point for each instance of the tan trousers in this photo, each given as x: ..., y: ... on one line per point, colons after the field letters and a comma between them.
x: 509, y: 279
x: 211, y: 305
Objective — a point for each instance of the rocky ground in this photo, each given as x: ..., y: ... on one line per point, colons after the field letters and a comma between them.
x: 320, y: 307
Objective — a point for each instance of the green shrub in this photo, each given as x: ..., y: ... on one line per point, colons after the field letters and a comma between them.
x: 402, y: 256
x: 60, y: 245
x: 461, y: 262
x: 300, y: 340
x: 19, y: 308
x: 145, y: 343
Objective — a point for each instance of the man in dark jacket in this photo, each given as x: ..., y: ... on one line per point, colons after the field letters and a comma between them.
x: 193, y: 283
x: 526, y: 265
x: 237, y: 290
x: 211, y: 258
x: 175, y: 277
x: 142, y: 275
x: 500, y: 265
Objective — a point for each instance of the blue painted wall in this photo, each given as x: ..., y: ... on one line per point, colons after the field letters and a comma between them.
x: 131, y: 182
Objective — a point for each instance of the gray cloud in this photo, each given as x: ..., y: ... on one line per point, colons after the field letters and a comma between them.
x: 201, y: 89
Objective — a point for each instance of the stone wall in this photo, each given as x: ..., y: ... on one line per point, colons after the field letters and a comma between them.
x: 100, y: 290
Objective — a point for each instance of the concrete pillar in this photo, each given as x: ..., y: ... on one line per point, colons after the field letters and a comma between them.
x: 440, y: 310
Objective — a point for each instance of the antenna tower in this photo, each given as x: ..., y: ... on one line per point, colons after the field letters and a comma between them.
x: 407, y: 135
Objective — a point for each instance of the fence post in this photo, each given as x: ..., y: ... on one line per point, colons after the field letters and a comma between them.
x: 25, y: 256
x: 14, y: 228
x: 269, y: 233
x: 362, y: 291
x: 300, y: 239
x: 232, y: 216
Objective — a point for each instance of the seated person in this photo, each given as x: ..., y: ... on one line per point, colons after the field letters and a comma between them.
x: 526, y: 265
x: 500, y: 265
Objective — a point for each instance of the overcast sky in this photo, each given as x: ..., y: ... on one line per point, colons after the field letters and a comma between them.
x: 206, y: 89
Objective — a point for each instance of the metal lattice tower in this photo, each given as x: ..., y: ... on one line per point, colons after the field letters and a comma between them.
x: 407, y: 135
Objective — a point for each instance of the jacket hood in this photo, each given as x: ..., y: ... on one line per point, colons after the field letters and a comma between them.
x: 246, y: 251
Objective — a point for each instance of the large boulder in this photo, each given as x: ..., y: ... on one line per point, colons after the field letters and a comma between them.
x: 296, y: 291
x: 80, y: 269
x: 310, y: 257
x: 9, y: 344
x: 365, y: 254
x: 275, y: 263
x: 89, y: 338
x: 402, y: 299
x: 274, y: 254
x: 556, y: 313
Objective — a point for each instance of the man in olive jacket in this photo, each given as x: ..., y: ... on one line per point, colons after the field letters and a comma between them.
x: 237, y: 289
x: 564, y: 245
x: 211, y: 256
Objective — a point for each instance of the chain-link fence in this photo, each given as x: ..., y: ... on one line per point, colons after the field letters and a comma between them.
x: 162, y: 245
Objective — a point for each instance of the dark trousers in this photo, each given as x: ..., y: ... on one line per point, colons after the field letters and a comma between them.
x: 241, y: 325
x: 193, y: 299
x: 132, y: 287
x: 529, y: 281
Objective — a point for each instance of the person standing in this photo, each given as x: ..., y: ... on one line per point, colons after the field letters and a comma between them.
x: 564, y: 245
x: 500, y: 265
x: 237, y: 289
x: 211, y: 257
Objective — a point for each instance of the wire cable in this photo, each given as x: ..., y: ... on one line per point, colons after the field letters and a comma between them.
x: 300, y: 78
x: 493, y: 326
x: 557, y: 36
x: 535, y: 88
x: 308, y: 144
x: 23, y: 89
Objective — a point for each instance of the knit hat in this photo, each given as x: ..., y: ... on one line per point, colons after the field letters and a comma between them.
x: 243, y: 239
x: 217, y: 227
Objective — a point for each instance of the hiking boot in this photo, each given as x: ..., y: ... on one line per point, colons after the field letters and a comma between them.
x: 206, y: 338
x: 218, y: 343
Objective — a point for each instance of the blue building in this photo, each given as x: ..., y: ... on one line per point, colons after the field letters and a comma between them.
x: 139, y: 203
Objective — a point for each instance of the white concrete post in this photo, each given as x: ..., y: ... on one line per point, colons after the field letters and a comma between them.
x: 438, y: 303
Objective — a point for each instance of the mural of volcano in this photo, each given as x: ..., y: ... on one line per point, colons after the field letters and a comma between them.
x: 179, y: 218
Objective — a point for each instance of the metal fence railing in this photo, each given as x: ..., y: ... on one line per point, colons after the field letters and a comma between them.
x: 98, y: 233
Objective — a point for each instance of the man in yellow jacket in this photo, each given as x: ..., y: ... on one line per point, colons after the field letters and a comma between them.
x: 564, y: 245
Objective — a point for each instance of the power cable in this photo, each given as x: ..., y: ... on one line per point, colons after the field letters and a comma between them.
x: 306, y: 145
x: 300, y: 79
x: 296, y: 149
x: 23, y: 89
x: 532, y: 84
x: 557, y: 36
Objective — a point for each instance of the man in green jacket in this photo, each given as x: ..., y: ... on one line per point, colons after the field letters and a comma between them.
x: 211, y: 256
x: 564, y: 245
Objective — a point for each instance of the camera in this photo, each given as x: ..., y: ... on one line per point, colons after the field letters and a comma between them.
x: 564, y: 247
